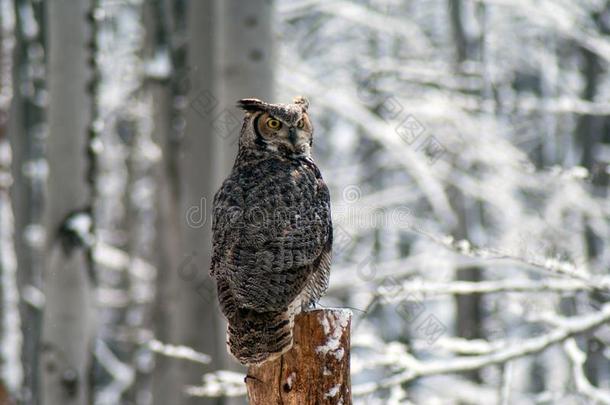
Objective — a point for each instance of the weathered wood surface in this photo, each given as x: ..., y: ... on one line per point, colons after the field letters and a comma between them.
x: 316, y: 370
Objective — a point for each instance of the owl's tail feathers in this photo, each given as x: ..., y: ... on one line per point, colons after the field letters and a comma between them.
x: 254, y: 337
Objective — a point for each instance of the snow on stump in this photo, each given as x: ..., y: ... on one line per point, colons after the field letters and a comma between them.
x: 315, y: 370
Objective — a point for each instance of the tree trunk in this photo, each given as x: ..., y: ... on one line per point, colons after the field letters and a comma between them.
x: 27, y: 133
x: 468, y: 307
x: 166, y: 386
x: 11, y: 368
x: 68, y: 316
x: 185, y: 302
x: 316, y: 370
x: 588, y: 134
x: 225, y: 61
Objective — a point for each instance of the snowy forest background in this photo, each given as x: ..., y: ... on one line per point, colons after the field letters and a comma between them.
x: 466, y: 145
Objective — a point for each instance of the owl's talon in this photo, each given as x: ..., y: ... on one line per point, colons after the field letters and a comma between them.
x: 310, y: 306
x: 251, y: 377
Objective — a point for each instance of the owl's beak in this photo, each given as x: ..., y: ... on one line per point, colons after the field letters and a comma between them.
x: 292, y: 135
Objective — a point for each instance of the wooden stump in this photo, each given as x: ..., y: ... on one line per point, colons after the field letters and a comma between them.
x: 314, y: 371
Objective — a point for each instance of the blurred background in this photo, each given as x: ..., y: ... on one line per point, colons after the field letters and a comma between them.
x: 466, y: 145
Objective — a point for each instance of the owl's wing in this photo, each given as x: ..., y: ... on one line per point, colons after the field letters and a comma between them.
x: 271, y: 251
x: 225, y: 221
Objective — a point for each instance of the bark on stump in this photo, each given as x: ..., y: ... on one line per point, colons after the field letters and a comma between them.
x: 316, y: 370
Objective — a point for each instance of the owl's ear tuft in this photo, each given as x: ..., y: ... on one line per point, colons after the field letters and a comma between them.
x: 302, y: 101
x: 251, y: 104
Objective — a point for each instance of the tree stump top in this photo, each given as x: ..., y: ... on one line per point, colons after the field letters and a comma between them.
x: 315, y: 370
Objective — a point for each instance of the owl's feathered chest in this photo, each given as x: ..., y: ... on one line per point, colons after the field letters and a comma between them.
x: 273, y: 183
x: 271, y: 205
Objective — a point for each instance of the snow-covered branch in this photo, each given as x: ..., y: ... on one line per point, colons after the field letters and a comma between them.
x: 414, y: 368
x: 552, y: 266
x: 178, y: 352
x: 222, y: 383
x: 122, y: 375
x: 578, y: 358
x: 428, y: 288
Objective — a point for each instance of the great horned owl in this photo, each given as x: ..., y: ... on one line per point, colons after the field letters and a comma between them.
x: 272, y: 231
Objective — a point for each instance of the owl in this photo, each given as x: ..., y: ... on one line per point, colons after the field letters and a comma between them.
x: 272, y: 231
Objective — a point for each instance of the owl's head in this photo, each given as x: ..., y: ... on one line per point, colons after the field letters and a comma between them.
x: 279, y: 128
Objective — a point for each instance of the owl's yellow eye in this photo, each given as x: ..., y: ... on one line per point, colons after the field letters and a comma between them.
x: 273, y: 123
x: 300, y: 124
